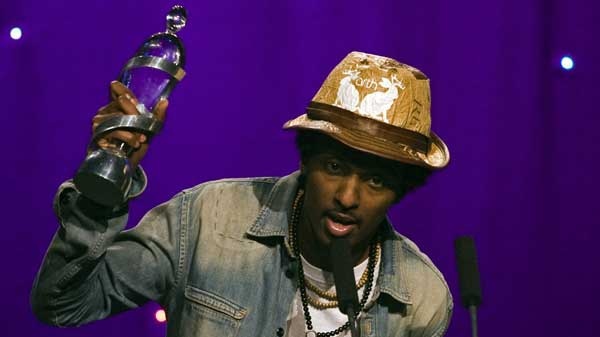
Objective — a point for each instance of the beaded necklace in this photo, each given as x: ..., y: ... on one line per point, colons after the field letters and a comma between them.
x: 373, y: 251
x: 330, y: 296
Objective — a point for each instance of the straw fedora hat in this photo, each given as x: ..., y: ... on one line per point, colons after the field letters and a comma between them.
x: 377, y: 105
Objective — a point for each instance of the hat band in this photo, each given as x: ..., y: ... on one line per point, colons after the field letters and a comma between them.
x: 350, y: 120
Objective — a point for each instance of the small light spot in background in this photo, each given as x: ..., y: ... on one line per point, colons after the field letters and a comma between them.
x: 16, y: 33
x: 160, y: 316
x: 567, y: 63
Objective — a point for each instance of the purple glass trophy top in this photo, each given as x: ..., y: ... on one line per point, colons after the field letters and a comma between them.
x: 162, y: 45
x: 176, y: 19
x: 150, y: 74
x: 148, y: 85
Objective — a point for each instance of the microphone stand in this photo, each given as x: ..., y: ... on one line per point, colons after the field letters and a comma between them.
x: 473, y: 314
x: 468, y: 277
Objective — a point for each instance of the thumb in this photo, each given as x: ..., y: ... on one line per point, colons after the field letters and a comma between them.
x: 160, y: 111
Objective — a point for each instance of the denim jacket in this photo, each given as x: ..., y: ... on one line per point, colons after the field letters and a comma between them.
x: 216, y: 257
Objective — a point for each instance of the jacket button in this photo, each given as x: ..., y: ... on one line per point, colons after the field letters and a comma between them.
x: 289, y: 273
x: 280, y: 332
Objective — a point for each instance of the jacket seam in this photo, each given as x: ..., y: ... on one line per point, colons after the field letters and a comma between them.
x: 184, y: 226
x: 215, y: 302
x: 74, y: 270
x: 250, y: 181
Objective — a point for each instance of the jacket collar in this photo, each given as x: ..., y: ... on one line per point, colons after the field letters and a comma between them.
x: 394, y: 267
x: 273, y: 221
x: 273, y: 217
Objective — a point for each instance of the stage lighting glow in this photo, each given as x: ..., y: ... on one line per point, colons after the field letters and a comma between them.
x: 567, y: 63
x: 160, y: 316
x: 16, y: 33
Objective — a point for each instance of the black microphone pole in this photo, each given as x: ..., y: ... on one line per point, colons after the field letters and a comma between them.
x: 343, y: 276
x: 468, y: 277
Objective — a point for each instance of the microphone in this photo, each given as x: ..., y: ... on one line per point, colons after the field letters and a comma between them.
x: 343, y: 276
x: 468, y: 277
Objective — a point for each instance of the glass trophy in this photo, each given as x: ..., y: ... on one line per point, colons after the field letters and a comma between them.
x: 105, y: 176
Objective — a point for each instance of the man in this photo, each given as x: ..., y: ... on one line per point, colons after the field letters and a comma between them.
x: 250, y: 257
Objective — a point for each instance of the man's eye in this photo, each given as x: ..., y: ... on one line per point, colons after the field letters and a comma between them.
x: 333, y: 167
x: 376, y: 182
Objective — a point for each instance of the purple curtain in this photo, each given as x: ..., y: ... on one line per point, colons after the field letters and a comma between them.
x: 520, y: 130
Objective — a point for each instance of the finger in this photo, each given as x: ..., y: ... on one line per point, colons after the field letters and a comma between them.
x: 133, y: 139
x: 137, y: 155
x: 160, y: 111
x: 98, y: 119
x: 124, y: 136
x: 109, y: 108
x: 118, y: 89
x: 128, y: 104
x: 128, y: 148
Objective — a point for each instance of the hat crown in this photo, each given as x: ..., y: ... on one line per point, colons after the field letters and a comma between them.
x: 377, y: 105
x: 379, y: 88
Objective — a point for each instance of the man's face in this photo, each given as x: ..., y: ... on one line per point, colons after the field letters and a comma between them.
x: 346, y: 195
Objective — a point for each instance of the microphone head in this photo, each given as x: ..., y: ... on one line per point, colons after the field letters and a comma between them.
x: 343, y: 274
x: 468, y: 271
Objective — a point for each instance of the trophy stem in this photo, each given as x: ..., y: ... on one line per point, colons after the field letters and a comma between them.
x: 105, y: 176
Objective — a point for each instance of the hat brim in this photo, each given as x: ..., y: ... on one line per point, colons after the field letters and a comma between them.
x: 436, y: 158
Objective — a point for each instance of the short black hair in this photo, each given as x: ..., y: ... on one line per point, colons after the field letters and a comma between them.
x: 407, y: 177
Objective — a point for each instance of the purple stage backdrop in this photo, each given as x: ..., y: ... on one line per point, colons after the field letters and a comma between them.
x: 520, y: 130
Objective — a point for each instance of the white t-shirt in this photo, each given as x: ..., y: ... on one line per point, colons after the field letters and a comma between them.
x: 327, y: 319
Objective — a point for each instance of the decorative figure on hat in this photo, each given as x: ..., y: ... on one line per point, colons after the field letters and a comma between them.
x: 377, y: 104
x: 106, y: 175
x: 347, y: 95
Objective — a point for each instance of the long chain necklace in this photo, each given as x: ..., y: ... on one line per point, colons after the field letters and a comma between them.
x: 296, y: 207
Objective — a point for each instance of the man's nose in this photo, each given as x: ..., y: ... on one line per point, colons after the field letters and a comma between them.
x: 348, y: 192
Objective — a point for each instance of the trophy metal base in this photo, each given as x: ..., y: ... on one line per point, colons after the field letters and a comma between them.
x: 105, y: 177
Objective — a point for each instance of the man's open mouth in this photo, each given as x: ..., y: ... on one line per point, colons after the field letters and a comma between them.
x: 338, y: 224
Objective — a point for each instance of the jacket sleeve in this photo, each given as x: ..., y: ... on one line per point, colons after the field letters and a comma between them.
x: 441, y: 319
x: 93, y: 268
x: 432, y: 316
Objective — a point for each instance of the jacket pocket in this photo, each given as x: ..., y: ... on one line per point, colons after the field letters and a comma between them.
x: 207, y: 314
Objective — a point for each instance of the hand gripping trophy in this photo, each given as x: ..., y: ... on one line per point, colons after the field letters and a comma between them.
x: 106, y: 174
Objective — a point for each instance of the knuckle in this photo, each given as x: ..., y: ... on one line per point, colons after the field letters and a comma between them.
x: 124, y: 135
